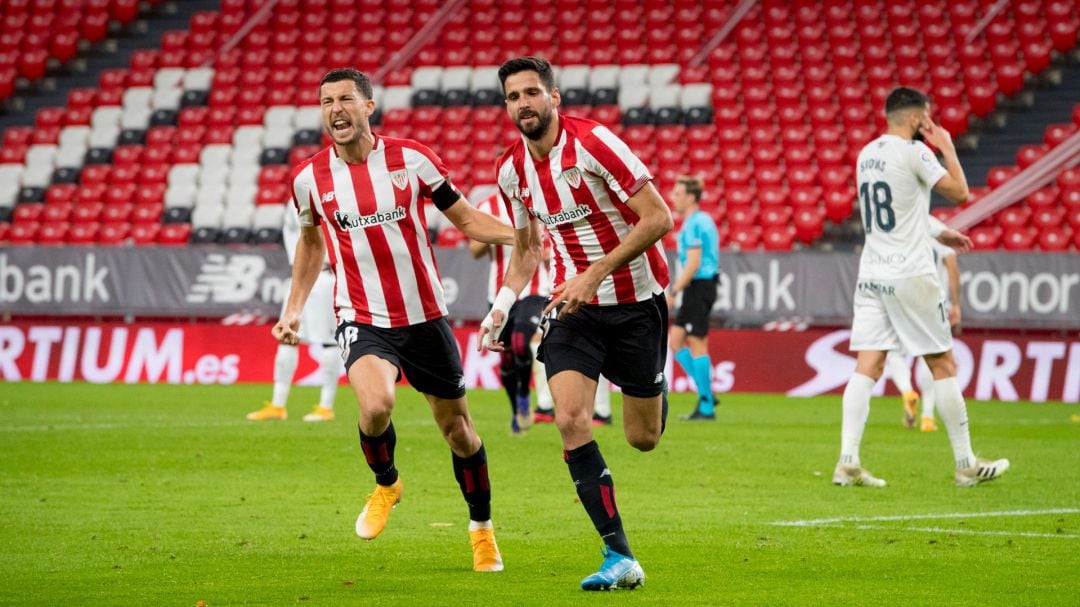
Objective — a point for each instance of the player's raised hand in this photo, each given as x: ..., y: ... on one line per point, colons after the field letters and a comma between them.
x: 285, y: 331
x: 936, y: 136
x: 956, y: 240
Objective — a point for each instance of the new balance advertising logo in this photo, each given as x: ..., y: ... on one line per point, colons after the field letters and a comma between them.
x: 227, y: 279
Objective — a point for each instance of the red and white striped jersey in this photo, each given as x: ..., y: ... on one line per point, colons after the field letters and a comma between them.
x: 579, y: 192
x: 500, y: 257
x: 371, y: 215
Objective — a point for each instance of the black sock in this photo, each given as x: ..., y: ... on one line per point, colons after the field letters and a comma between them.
x: 509, y: 376
x: 596, y: 490
x: 379, y: 453
x: 524, y: 374
x: 472, y: 476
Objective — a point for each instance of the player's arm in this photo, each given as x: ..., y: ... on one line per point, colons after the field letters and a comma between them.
x: 478, y: 249
x: 475, y: 223
x: 524, y: 259
x: 953, y: 185
x: 948, y: 236
x: 654, y: 221
x: 952, y: 267
x: 307, y: 263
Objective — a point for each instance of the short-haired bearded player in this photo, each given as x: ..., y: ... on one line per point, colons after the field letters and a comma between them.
x: 359, y: 201
x: 608, y: 310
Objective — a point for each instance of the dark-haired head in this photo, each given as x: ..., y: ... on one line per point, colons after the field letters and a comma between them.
x: 523, y: 64
x: 360, y: 79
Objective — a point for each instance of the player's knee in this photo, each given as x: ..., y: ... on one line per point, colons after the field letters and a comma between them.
x: 644, y: 441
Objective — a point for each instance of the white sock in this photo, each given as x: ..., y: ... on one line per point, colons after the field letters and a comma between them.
x: 602, y: 404
x: 543, y: 392
x: 898, y: 371
x: 330, y: 366
x: 950, y: 402
x: 474, y: 525
x: 856, y: 410
x: 925, y: 379
x: 284, y: 367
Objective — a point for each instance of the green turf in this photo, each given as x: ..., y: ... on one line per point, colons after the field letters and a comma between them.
x: 163, y: 495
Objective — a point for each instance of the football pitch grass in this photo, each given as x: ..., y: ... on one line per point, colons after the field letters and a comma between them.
x: 164, y: 495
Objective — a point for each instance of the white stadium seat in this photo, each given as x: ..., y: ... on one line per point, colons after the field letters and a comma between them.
x: 215, y: 155
x: 397, y: 97
x: 241, y: 194
x: 166, y: 99
x: 41, y: 155
x: 696, y: 95
x: 248, y: 135
x: 244, y: 174
x: 181, y: 195
x: 308, y: 117
x: 455, y: 78
x: 633, y: 75
x: 278, y: 137
x: 278, y: 116
x: 136, y: 117
x: 238, y: 216
x: 37, y: 176
x: 70, y: 157
x: 107, y: 115
x: 104, y: 136
x: 212, y: 195
x: 484, y: 78
x: 137, y: 97
x: 9, y: 192
x: 169, y: 78
x: 427, y: 77
x: 207, y: 216
x: 664, y: 96
x: 268, y: 216
x: 573, y: 77
x: 604, y: 77
x: 633, y: 96
x: 198, y: 79
x: 11, y: 174
x: 377, y: 91
x: 662, y: 73
x: 216, y: 175
x: 180, y: 174
x: 71, y: 135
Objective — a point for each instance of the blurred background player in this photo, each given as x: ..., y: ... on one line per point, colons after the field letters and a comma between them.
x: 899, y: 302
x: 608, y: 312
x: 699, y: 266
x: 316, y: 327
x: 896, y: 365
x: 516, y: 362
x: 361, y: 199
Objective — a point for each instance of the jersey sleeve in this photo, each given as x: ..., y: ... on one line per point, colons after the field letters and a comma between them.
x: 510, y: 194
x: 303, y: 198
x: 694, y: 235
x: 926, y: 165
x: 611, y: 159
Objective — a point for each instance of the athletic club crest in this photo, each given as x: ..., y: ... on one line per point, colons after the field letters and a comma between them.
x: 400, y: 179
x: 572, y: 176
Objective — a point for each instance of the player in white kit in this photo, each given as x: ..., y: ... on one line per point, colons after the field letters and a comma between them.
x: 896, y: 364
x: 317, y: 326
x: 899, y: 303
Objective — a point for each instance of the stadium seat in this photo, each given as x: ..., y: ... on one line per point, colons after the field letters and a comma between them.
x: 1019, y: 239
x: 1054, y: 239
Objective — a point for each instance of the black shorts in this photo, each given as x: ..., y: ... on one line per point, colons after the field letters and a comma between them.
x: 427, y: 353
x: 697, y: 302
x: 524, y: 317
x: 627, y: 343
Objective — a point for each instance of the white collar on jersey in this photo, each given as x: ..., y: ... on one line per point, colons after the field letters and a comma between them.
x: 377, y: 148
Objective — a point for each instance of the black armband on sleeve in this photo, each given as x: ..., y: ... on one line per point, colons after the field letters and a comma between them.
x: 445, y: 196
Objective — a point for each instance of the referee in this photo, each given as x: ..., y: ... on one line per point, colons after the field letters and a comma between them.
x: 699, y: 255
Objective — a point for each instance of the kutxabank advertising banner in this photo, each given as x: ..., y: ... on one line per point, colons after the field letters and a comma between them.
x: 1018, y: 290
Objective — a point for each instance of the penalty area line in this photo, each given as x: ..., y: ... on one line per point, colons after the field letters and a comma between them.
x: 821, y: 522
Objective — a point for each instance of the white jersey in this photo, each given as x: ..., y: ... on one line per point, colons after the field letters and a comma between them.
x: 500, y: 256
x: 894, y: 178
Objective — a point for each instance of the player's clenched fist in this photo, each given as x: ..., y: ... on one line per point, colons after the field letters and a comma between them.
x: 285, y: 331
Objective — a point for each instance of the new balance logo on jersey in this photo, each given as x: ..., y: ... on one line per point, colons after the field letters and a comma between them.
x: 354, y: 221
x: 400, y: 179
x: 328, y: 197
x: 572, y: 177
x: 523, y: 193
x: 567, y: 216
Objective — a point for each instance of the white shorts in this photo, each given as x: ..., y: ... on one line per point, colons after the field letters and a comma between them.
x: 906, y: 314
x: 317, y: 322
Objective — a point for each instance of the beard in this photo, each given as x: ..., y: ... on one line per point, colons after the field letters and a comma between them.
x: 543, y: 121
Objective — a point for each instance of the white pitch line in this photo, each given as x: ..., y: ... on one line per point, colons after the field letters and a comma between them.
x: 971, y: 531
x: 915, y: 517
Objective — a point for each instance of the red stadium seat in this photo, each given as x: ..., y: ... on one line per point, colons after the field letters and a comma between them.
x: 52, y: 233
x: 82, y: 233
x: 985, y: 238
x: 1055, y: 239
x: 778, y: 238
x: 809, y: 223
x: 839, y: 205
x: 1014, y: 217
x: 742, y: 216
x: 113, y: 233
x: 1019, y: 239
x: 174, y: 234
x: 745, y: 238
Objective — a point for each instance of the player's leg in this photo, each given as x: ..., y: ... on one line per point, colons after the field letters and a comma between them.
x: 372, y: 379
x: 285, y: 361
x: 318, y: 323
x: 970, y: 470
x: 900, y: 374
x: 508, y: 374
x: 523, y: 328
x: 681, y: 351
x: 432, y: 363
x: 872, y: 336
x: 545, y: 406
x: 702, y: 364
x: 602, y: 402
x: 925, y: 380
